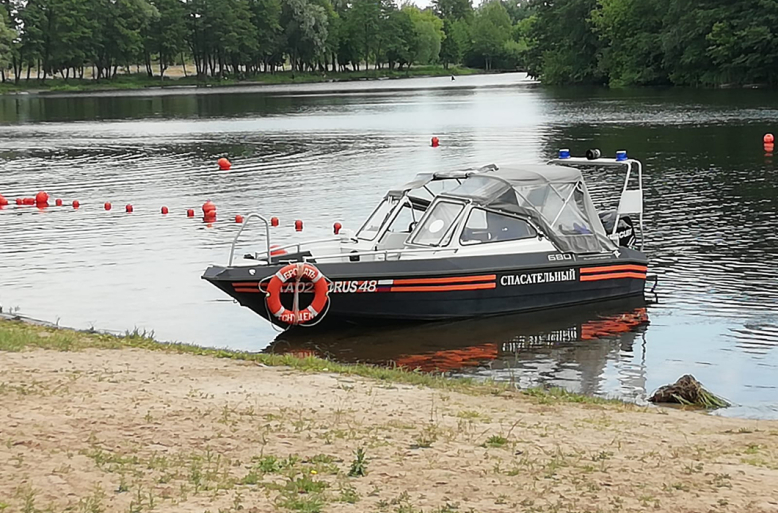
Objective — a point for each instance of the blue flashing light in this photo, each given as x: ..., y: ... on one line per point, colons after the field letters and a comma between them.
x: 564, y: 154
x: 621, y: 156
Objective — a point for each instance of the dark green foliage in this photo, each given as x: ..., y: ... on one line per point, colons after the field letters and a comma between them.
x: 233, y: 39
x: 616, y: 42
x: 650, y: 42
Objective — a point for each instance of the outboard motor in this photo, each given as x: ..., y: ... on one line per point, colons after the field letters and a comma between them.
x: 625, y: 233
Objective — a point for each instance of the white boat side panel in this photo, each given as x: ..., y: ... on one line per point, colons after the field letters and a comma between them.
x: 501, y: 248
x: 631, y: 202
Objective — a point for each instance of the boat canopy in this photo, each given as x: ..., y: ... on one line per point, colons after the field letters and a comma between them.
x: 554, y: 197
x: 422, y: 181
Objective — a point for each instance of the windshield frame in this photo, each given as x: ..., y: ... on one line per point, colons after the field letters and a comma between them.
x: 447, y: 234
x: 393, y: 202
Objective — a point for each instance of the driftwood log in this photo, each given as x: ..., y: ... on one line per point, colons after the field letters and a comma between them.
x: 689, y: 392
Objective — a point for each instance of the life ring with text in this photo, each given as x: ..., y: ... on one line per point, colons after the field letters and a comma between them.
x: 297, y: 272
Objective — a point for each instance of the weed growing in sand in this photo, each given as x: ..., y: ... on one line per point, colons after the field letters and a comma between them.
x: 92, y: 503
x: 359, y: 465
x: 348, y: 494
x: 304, y: 484
x: 496, y: 441
x: 122, y: 485
x: 426, y: 437
x: 721, y: 481
x: 304, y: 504
x: 27, y: 495
x: 268, y: 465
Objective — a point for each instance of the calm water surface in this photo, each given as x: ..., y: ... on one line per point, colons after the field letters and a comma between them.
x: 328, y: 153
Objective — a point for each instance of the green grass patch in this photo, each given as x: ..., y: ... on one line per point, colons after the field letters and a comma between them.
x: 18, y: 336
x: 496, y: 441
x: 555, y: 395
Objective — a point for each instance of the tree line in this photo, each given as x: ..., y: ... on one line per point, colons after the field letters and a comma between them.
x: 40, y: 39
x: 653, y: 42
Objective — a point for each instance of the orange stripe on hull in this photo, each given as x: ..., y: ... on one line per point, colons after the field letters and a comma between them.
x: 613, y: 276
x: 245, y: 284
x: 431, y: 281
x: 445, y: 288
x: 613, y: 268
x: 251, y: 291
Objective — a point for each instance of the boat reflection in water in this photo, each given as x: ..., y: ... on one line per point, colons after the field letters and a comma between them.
x: 578, y: 348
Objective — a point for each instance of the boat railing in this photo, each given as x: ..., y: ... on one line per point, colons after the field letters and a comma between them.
x: 631, y: 199
x: 298, y: 245
x: 243, y: 227
x: 385, y: 252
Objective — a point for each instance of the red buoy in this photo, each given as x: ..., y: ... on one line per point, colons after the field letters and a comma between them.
x: 273, y: 221
x: 164, y: 210
x: 29, y: 201
x: 107, y: 206
x: 298, y: 225
x: 239, y: 219
x: 224, y: 164
x: 190, y: 212
x: 435, y: 142
x: 19, y: 201
x: 769, y: 147
x: 208, y: 206
x: 336, y: 228
x: 210, y: 216
x: 768, y: 138
x: 76, y: 204
x: 58, y: 202
x: 128, y: 209
x: 41, y: 198
x: 3, y: 201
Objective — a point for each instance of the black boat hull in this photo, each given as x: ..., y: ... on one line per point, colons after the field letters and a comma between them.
x: 450, y: 288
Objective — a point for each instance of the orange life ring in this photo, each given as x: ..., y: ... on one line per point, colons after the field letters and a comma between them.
x: 297, y: 271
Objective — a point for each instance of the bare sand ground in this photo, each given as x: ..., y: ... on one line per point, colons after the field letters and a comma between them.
x: 132, y: 430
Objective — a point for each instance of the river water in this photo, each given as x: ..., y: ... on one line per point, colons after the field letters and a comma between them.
x: 328, y: 152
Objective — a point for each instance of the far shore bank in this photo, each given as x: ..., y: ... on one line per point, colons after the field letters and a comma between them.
x: 94, y: 422
x: 176, y: 80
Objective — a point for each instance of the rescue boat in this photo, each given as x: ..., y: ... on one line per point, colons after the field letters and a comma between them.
x: 471, y: 243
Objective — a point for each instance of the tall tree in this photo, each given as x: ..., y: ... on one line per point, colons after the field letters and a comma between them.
x: 453, y: 9
x: 305, y: 28
x: 456, y: 40
x: 429, y: 34
x: 167, y: 32
x: 565, y: 47
x: 631, y: 33
x: 266, y: 18
x: 7, y: 35
x: 491, y: 29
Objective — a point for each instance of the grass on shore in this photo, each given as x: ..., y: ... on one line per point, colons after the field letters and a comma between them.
x: 19, y: 336
x: 142, y: 81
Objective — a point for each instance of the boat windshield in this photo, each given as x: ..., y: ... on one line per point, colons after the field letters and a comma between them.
x: 437, y: 223
x: 380, y: 215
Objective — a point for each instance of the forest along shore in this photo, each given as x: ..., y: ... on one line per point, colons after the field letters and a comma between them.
x: 98, y: 423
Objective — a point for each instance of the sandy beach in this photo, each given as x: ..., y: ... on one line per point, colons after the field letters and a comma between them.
x: 139, y: 430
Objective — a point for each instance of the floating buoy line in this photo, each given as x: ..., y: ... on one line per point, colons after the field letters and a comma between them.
x: 208, y: 209
x: 41, y: 201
